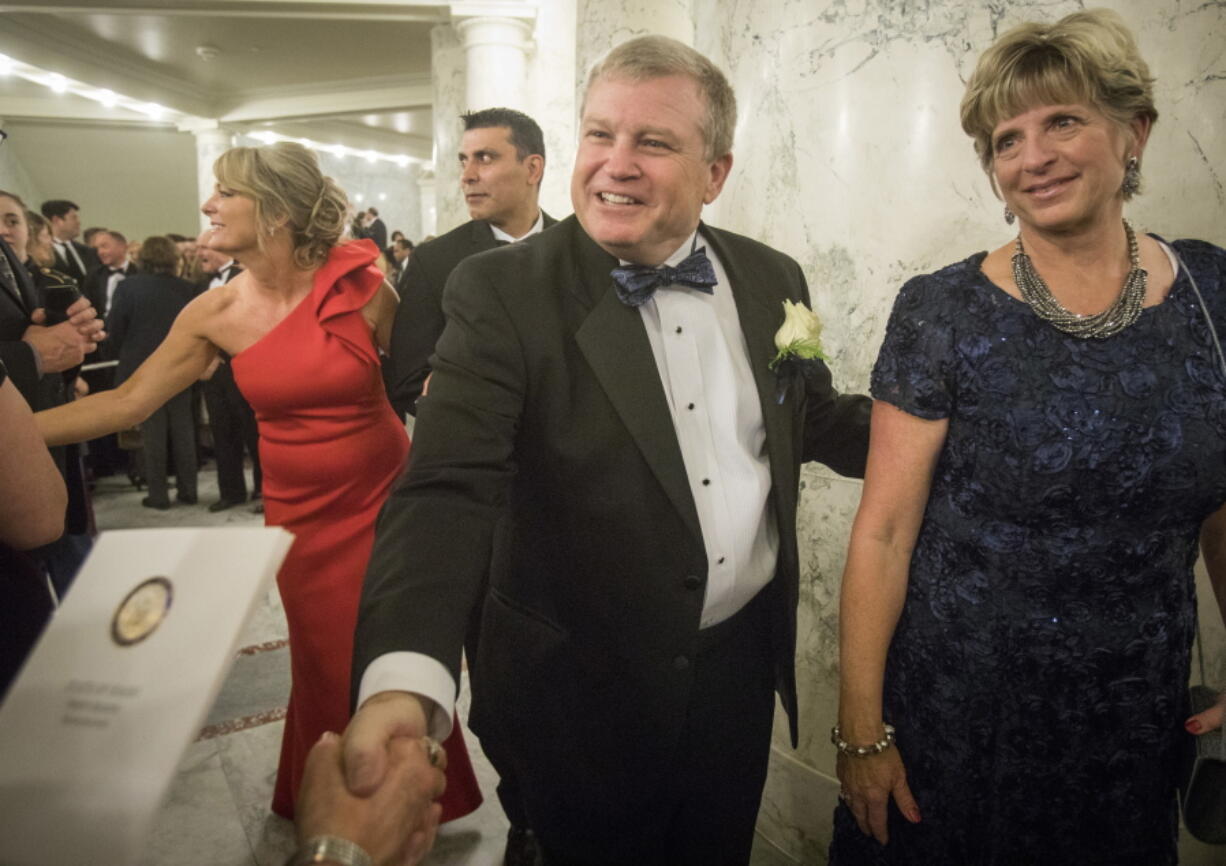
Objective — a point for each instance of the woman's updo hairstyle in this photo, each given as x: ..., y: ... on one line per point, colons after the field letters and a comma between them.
x: 288, y: 187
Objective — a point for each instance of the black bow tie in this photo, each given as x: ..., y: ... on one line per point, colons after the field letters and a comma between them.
x: 637, y: 283
x: 117, y: 270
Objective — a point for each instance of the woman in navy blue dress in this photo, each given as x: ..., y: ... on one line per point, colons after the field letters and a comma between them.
x: 1048, y: 447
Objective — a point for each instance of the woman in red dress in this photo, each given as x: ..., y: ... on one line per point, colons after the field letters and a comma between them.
x: 301, y: 325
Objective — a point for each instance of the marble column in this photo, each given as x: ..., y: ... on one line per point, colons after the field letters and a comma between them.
x: 448, y: 69
x: 211, y: 142
x: 496, y: 50
x: 427, y: 205
x: 605, y: 23
x: 849, y: 156
x: 551, y: 76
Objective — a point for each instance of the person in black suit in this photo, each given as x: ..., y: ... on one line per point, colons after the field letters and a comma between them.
x: 230, y: 415
x: 502, y: 162
x: 376, y: 229
x: 39, y: 360
x: 105, y: 457
x: 617, y: 473
x: 72, y: 258
x: 143, y: 309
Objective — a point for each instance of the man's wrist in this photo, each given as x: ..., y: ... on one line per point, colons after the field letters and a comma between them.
x: 330, y: 849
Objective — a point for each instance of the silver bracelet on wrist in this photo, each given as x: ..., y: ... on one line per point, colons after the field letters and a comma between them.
x: 846, y: 748
x: 330, y: 849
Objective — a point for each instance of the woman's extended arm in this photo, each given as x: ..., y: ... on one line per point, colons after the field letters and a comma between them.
x: 902, y: 455
x: 177, y: 362
x: 32, y: 494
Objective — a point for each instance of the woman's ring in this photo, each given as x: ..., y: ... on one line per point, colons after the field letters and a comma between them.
x: 433, y: 750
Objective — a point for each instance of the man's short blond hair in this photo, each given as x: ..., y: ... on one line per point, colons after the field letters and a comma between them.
x: 648, y: 57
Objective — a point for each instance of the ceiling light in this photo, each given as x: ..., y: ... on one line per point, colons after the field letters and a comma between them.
x: 359, y: 197
x: 338, y: 150
x: 382, y: 196
x: 6, y: 64
x: 371, y: 156
x: 106, y: 97
x: 152, y: 110
x: 402, y: 161
x: 266, y: 136
x: 208, y: 52
x: 57, y: 82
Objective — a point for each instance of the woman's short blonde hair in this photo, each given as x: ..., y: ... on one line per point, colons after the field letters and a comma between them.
x: 1089, y: 56
x: 286, y: 184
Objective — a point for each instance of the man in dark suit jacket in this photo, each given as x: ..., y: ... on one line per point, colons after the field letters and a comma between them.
x: 624, y: 468
x: 376, y: 229
x: 502, y: 162
x: 72, y: 258
x: 36, y: 357
x: 111, y: 251
x: 231, y: 417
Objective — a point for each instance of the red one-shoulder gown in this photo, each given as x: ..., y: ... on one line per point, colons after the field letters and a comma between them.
x: 330, y: 447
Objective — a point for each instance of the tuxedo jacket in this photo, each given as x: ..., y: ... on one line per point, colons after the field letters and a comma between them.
x: 68, y: 265
x: 419, y: 318
x: 142, y: 311
x: 94, y: 286
x: 17, y: 301
x: 546, y: 483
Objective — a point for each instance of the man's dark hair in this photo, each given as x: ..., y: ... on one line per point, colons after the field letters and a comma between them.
x: 403, y: 244
x: 58, y: 207
x: 372, y: 211
x: 118, y: 237
x: 178, y: 239
x: 88, y: 234
x: 158, y: 255
x: 525, y: 134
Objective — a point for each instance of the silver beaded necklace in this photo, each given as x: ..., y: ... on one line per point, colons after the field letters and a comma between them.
x: 1117, y: 317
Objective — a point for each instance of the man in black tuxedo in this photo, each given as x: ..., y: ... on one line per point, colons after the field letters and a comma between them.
x: 376, y: 229
x: 110, y: 247
x: 624, y: 468
x: 111, y: 251
x: 36, y: 357
x: 72, y: 258
x: 231, y: 417
x: 502, y: 162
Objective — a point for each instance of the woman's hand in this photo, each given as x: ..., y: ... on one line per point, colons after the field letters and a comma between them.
x: 867, y: 785
x: 1208, y: 720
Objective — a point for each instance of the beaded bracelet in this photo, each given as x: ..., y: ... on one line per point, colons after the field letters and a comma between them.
x: 846, y: 748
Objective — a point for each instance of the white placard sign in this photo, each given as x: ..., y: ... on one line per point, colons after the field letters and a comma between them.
x: 93, y: 729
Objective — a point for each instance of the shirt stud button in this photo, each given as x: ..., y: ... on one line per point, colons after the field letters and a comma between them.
x: 692, y: 581
x: 681, y: 663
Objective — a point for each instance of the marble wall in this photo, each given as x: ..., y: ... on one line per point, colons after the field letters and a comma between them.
x: 849, y: 156
x: 450, y: 81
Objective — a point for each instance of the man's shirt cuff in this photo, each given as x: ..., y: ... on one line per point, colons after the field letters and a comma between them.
x: 417, y: 673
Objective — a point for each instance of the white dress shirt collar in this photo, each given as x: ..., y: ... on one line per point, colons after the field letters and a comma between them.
x: 537, y: 227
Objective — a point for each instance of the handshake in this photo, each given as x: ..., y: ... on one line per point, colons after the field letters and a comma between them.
x: 369, y: 799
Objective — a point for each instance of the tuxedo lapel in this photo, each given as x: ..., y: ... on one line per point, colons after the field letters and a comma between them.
x: 760, y: 309
x: 614, y: 342
x: 14, y: 285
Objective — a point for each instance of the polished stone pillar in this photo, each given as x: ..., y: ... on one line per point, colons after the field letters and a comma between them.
x: 428, y: 206
x: 448, y: 69
x: 496, y: 50
x: 211, y: 142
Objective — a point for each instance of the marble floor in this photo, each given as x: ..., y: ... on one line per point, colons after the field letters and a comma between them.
x: 216, y: 811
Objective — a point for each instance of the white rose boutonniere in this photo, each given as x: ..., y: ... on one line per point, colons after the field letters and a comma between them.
x: 799, y: 343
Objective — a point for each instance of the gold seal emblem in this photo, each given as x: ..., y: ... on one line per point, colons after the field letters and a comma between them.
x: 142, y: 611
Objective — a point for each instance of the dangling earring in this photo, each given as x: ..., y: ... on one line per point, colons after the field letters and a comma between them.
x: 1009, y: 216
x: 1132, y: 177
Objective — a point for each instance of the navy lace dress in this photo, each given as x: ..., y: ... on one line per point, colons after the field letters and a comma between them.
x: 1037, y: 676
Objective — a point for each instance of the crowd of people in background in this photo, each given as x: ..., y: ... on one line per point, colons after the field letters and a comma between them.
x: 167, y: 271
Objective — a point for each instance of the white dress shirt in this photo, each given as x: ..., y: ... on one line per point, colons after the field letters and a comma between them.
x: 69, y: 253
x: 220, y: 278
x: 703, y: 361
x: 114, y: 278
x: 537, y: 226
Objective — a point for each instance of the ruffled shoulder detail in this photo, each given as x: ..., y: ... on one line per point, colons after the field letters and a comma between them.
x: 344, y: 284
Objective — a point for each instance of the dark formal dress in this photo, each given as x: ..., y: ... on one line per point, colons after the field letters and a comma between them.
x: 142, y: 311
x: 1038, y: 673
x: 331, y: 446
